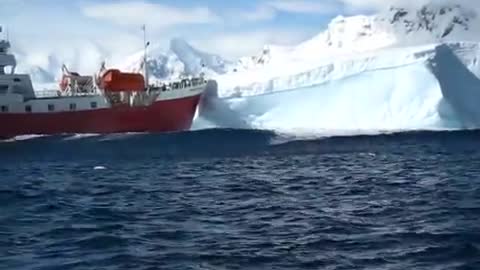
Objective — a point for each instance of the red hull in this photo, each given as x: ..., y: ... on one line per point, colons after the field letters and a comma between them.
x: 161, y: 116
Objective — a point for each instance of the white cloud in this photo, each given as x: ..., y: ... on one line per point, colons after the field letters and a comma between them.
x: 356, y: 6
x: 261, y: 13
x: 378, y: 5
x: 234, y: 45
x: 268, y: 10
x: 299, y: 6
x: 75, y: 29
x: 155, y: 15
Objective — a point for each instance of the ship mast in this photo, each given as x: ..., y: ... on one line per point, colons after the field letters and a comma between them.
x: 145, y: 64
x: 6, y: 59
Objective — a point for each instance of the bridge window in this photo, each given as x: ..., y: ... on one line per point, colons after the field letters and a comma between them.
x: 93, y: 104
x: 28, y: 108
x: 4, y: 108
x: 51, y: 107
x: 73, y: 106
x: 17, y: 80
x: 3, y: 89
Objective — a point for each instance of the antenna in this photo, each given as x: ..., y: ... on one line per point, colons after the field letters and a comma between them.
x: 145, y: 65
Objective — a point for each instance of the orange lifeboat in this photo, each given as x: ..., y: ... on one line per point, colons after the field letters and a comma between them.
x: 113, y: 80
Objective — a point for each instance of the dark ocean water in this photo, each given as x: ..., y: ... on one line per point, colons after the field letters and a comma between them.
x: 229, y: 199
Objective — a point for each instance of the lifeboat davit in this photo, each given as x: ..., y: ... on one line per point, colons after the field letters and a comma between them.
x: 70, y: 78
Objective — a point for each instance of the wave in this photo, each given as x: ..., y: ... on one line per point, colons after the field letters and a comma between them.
x: 221, y: 143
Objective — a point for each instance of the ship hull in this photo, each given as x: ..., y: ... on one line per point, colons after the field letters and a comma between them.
x: 161, y: 116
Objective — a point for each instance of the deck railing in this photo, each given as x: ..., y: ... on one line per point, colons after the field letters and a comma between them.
x: 47, y: 93
x: 57, y: 93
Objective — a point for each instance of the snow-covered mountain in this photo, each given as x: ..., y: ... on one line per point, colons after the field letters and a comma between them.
x: 180, y: 59
x: 353, y: 44
x: 349, y: 37
x: 397, y: 27
x: 394, y: 27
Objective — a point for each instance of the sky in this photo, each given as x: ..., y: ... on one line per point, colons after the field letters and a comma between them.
x: 93, y: 28
x: 229, y: 28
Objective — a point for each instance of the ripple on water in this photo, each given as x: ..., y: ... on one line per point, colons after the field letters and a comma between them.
x: 414, y: 204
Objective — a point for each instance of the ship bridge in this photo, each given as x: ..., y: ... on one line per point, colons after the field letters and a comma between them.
x: 12, y: 83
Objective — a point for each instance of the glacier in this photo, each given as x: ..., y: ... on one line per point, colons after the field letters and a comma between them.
x: 395, y: 71
x: 382, y: 98
x: 401, y: 69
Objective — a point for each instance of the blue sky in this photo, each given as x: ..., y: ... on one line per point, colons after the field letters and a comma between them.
x: 230, y: 28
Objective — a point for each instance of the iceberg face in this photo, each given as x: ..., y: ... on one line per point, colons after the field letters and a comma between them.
x: 400, y: 98
x: 394, y: 101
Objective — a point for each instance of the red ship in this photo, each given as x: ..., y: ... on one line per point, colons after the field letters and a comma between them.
x: 112, y: 101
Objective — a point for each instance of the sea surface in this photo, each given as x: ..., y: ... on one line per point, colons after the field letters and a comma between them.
x: 241, y: 199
